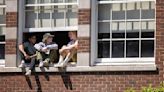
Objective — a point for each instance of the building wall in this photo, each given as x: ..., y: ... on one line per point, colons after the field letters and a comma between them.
x: 107, y: 81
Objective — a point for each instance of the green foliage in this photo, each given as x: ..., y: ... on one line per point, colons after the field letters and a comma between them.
x: 149, y: 88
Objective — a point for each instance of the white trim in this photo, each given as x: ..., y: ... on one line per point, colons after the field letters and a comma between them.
x: 48, y: 29
x: 126, y: 60
x: 2, y: 62
x: 122, y: 1
x: 3, y: 42
x: 50, y: 4
x: 128, y: 20
x: 127, y: 39
x: 2, y: 6
x: 2, y: 25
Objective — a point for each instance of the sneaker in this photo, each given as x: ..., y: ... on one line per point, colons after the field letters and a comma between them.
x: 22, y: 65
x: 41, y: 64
x: 46, y: 62
x: 28, y: 73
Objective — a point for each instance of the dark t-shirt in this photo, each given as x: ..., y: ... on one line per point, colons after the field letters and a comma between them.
x: 29, y: 48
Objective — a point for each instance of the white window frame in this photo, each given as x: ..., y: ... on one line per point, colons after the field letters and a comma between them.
x: 2, y: 61
x: 52, y: 29
x: 94, y: 36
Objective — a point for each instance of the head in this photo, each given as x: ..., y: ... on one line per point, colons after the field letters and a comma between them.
x: 72, y: 35
x: 32, y: 39
x: 47, y: 38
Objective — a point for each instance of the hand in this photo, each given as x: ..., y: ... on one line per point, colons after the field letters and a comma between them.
x: 27, y: 57
x: 44, y: 50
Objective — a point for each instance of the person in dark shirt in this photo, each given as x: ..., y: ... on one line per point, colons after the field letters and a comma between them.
x: 28, y: 53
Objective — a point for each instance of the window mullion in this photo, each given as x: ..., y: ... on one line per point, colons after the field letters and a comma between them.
x: 140, y: 26
x: 125, y: 30
x: 111, y: 32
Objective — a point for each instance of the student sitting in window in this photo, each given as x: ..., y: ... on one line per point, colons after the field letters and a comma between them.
x: 28, y: 53
x: 47, y: 50
x: 69, y: 51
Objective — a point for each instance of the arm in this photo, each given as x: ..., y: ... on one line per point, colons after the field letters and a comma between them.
x: 21, y: 48
x: 75, y: 45
x: 38, y: 46
x: 52, y: 46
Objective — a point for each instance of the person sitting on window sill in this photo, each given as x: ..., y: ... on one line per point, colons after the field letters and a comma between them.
x: 28, y: 53
x: 68, y: 52
x: 47, y: 50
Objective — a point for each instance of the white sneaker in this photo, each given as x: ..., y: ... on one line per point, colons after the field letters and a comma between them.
x: 28, y: 73
x: 41, y: 64
x: 46, y: 62
x: 22, y: 65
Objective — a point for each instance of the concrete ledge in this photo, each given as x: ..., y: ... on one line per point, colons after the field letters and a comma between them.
x: 88, y: 69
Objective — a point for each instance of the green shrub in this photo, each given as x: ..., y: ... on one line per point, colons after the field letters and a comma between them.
x: 149, y: 88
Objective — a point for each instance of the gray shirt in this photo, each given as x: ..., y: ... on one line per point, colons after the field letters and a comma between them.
x: 29, y: 48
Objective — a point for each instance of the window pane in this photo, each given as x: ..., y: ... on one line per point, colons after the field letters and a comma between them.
x: 31, y: 1
x: 31, y: 17
x: 103, y: 49
x: 117, y: 49
x: 133, y: 29
x: 2, y: 51
x: 2, y: 15
x: 132, y: 11
x: 58, y: 16
x: 147, y: 12
x: 118, y: 12
x: 44, y: 1
x: 104, y: 12
x: 147, y: 29
x: 118, y: 30
x: 71, y: 1
x: 2, y: 38
x: 44, y: 16
x: 57, y: 1
x: 2, y: 30
x: 103, y: 30
x: 132, y: 48
x: 2, y: 2
x: 71, y: 17
x: 147, y: 48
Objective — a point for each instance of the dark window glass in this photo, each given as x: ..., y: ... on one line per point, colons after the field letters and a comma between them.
x: 117, y: 49
x: 132, y: 48
x: 103, y: 49
x: 147, y: 48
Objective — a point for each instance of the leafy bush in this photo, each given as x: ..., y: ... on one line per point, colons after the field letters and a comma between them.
x: 149, y: 88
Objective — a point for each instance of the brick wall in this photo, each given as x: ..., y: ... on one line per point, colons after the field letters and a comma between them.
x: 84, y: 44
x: 11, y: 19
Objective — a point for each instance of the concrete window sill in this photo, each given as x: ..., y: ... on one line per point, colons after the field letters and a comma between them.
x: 148, y: 67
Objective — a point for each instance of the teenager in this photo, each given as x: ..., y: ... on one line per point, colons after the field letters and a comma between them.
x: 47, y: 50
x: 68, y: 52
x: 28, y: 53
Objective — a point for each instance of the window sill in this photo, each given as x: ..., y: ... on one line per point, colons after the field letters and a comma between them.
x: 148, y: 67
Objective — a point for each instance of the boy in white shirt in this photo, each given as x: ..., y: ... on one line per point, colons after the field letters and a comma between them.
x: 47, y: 50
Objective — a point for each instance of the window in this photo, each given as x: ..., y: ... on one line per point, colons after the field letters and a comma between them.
x: 59, y: 14
x: 2, y: 31
x: 125, y: 31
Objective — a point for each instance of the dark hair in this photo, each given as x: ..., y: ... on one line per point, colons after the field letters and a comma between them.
x: 30, y: 36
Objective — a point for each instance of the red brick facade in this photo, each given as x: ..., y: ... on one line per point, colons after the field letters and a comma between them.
x: 84, y: 44
x: 11, y: 19
x: 10, y: 46
x: 84, y: 16
x: 86, y: 81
